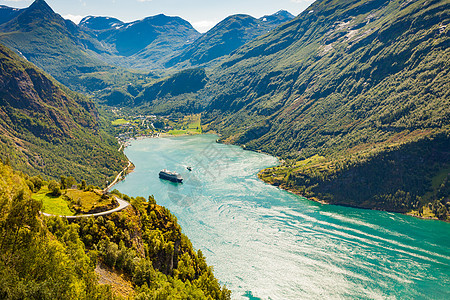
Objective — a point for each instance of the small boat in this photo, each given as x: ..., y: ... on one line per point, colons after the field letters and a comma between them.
x: 172, y: 176
x: 189, y: 168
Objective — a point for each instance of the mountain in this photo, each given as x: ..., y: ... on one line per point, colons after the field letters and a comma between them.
x: 8, y: 13
x: 66, y: 50
x: 176, y: 93
x: 227, y: 36
x: 349, y: 81
x: 278, y: 18
x: 147, y: 43
x: 337, y: 69
x: 56, y: 45
x: 48, y: 129
x: 99, y: 23
x: 75, y: 56
x: 346, y: 94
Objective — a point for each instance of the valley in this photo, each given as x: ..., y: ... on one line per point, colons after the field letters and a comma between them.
x: 127, y: 126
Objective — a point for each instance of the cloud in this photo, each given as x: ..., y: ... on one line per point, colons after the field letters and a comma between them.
x: 302, y: 1
x: 144, y: 0
x: 203, y: 26
x: 74, y: 18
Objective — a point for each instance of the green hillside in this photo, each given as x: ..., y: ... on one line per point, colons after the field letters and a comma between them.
x: 48, y: 258
x: 33, y: 263
x: 176, y: 93
x: 48, y: 129
x: 347, y: 80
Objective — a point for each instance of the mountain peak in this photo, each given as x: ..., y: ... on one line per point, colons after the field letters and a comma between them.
x: 38, y: 10
x: 284, y: 13
x: 41, y: 5
x: 280, y: 16
x: 227, y: 36
x: 163, y: 20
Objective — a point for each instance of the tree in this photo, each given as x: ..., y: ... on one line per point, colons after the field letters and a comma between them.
x: 63, y: 182
x: 37, y: 182
x: 54, y: 187
x: 70, y: 181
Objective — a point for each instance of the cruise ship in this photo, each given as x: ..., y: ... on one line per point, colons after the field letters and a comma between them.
x: 172, y: 176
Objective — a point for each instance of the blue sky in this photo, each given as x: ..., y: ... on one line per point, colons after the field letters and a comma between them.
x: 202, y: 14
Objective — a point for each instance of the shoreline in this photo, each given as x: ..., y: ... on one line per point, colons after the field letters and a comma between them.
x: 425, y: 218
x: 292, y: 191
x: 128, y: 169
x: 125, y: 143
x: 323, y: 202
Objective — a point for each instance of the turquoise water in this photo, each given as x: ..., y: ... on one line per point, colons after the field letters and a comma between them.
x: 265, y: 243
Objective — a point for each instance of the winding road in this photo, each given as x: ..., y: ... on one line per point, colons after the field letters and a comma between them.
x: 122, y: 205
x: 117, y: 177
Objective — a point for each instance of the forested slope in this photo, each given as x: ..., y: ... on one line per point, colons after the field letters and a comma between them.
x: 146, y: 243
x: 48, y: 258
x: 48, y: 129
x: 341, y: 74
x: 347, y: 80
x: 33, y: 263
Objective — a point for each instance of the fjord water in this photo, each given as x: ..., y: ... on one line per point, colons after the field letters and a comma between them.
x: 265, y: 243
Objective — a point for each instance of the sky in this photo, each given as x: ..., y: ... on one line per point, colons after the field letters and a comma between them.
x: 202, y: 14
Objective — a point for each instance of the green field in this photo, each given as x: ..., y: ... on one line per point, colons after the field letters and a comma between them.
x: 177, y: 132
x: 119, y: 122
x: 194, y: 122
x: 84, y: 201
x: 189, y: 125
x: 52, y: 205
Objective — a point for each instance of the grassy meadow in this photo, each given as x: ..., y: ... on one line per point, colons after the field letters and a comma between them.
x: 51, y: 204
x: 72, y: 201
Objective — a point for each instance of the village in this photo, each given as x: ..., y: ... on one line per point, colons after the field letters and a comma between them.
x: 128, y: 127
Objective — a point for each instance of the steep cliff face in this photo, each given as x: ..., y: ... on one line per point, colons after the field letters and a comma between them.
x: 29, y: 92
x: 49, y: 129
